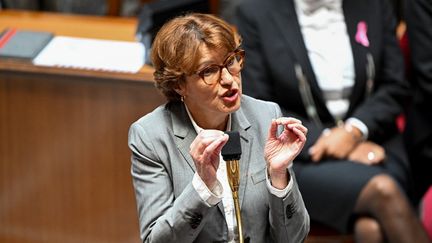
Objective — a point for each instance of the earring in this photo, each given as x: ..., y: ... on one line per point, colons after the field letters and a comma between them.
x: 182, y: 98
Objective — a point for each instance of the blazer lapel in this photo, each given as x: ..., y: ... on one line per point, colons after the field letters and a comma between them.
x: 286, y: 21
x: 354, y: 14
x: 241, y: 124
x: 183, y: 130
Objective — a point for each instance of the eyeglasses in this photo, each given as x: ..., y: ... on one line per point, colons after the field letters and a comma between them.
x: 233, y: 63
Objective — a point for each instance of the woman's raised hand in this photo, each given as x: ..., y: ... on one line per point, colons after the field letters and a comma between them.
x: 281, y: 149
x: 205, y: 150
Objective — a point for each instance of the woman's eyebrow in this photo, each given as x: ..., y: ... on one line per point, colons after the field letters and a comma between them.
x: 206, y: 63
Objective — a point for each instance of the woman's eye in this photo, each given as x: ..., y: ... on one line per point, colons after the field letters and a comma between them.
x: 230, y: 61
x: 209, y: 71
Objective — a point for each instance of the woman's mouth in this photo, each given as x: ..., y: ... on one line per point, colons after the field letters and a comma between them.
x: 231, y: 95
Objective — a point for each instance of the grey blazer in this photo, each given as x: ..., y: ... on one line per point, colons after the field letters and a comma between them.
x: 169, y: 208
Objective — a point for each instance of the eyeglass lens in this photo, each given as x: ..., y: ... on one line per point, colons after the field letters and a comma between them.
x: 233, y: 64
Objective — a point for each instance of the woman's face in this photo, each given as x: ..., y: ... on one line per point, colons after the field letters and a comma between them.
x: 210, y: 97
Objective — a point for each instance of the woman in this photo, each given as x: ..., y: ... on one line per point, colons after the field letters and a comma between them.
x: 336, y: 66
x: 180, y: 181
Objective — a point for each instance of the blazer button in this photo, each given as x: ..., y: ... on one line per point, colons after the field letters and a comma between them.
x: 290, y: 210
x: 195, y: 220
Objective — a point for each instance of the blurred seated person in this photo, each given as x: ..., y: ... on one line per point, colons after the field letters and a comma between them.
x: 418, y: 132
x: 180, y: 180
x: 426, y: 211
x: 336, y: 66
x: 227, y: 9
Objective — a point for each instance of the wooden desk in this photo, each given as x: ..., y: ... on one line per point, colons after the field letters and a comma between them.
x: 64, y: 160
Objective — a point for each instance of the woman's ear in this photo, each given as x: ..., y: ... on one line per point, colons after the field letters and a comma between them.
x: 180, y: 89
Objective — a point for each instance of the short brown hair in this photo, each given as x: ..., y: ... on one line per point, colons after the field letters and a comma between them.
x: 175, y: 50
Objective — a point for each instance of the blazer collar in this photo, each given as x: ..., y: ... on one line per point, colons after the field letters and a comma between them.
x: 241, y: 124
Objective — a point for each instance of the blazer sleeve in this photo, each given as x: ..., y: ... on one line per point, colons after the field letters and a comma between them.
x: 419, y: 21
x: 161, y: 218
x: 391, y: 88
x: 289, y: 219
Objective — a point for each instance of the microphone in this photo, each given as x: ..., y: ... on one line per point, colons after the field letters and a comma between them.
x: 231, y: 153
x: 232, y: 149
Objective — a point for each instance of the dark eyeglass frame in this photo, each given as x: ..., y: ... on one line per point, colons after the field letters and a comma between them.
x: 238, y: 51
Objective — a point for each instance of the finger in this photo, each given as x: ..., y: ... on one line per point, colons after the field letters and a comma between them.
x: 352, y: 156
x: 204, y: 138
x: 199, y: 145
x: 300, y: 127
x: 358, y: 158
x: 379, y: 157
x: 272, y: 130
x: 317, y: 155
x: 300, y: 134
x: 224, y: 139
x: 211, y: 133
x: 326, y: 132
x: 214, y: 148
x: 287, y: 120
x: 317, y: 150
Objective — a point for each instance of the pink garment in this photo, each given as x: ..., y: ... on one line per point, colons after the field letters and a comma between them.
x: 361, y: 35
x: 427, y: 212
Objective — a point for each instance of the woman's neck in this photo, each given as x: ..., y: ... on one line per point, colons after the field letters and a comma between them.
x: 215, y: 122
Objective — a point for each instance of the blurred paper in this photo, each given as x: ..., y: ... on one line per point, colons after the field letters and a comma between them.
x: 93, y: 54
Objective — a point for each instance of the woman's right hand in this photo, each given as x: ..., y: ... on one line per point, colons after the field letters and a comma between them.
x: 336, y: 143
x: 205, y: 151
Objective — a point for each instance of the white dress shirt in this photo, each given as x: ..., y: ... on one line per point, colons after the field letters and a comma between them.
x: 222, y: 191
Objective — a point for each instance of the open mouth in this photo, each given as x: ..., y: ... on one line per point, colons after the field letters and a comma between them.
x: 231, y: 95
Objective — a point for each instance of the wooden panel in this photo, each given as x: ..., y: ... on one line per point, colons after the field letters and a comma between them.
x: 71, y: 25
x: 114, y: 7
x: 64, y: 160
x: 214, y: 6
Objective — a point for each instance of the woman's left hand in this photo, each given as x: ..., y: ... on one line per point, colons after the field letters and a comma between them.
x: 368, y: 153
x: 280, y: 150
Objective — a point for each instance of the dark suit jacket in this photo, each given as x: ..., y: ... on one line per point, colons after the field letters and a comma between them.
x: 419, y: 20
x: 419, y: 116
x: 170, y: 210
x: 274, y: 45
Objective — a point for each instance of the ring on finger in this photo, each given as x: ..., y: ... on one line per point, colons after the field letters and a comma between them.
x: 371, y: 156
x: 326, y: 132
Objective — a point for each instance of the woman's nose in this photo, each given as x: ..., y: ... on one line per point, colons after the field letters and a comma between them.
x: 226, y: 77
